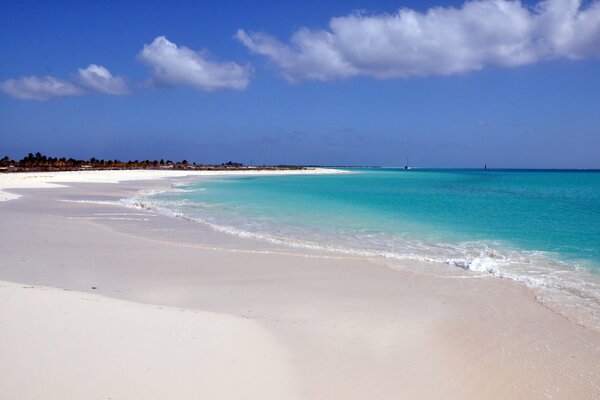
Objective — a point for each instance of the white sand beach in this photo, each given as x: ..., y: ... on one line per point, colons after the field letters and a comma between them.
x: 41, y: 180
x: 147, y: 307
x: 59, y: 344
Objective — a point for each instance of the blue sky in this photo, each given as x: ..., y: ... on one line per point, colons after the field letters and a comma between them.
x: 443, y: 84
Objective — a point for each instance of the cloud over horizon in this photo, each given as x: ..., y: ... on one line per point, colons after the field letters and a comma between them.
x: 94, y: 78
x: 173, y: 65
x: 440, y: 41
x: 39, y: 88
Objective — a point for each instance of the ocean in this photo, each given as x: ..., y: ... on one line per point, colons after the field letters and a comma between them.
x: 539, y: 227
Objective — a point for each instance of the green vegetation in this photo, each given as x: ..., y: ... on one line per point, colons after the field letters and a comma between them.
x: 40, y: 162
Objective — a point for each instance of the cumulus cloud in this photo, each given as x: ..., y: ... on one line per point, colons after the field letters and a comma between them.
x: 440, y: 41
x: 99, y: 79
x: 93, y: 78
x: 36, y: 88
x: 172, y: 65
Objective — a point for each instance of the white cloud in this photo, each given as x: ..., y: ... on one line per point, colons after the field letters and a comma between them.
x: 93, y: 78
x: 99, y: 79
x: 440, y: 41
x: 172, y: 65
x: 36, y: 88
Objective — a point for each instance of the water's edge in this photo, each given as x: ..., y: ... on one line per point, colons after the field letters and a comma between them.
x: 573, y: 293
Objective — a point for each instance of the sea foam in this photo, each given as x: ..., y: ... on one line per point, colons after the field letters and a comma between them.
x: 538, y: 228
x: 567, y: 288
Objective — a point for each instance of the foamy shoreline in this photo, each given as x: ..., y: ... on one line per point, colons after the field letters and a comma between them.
x: 269, y: 324
x: 573, y: 293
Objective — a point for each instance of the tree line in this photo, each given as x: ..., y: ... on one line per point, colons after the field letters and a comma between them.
x: 41, y: 162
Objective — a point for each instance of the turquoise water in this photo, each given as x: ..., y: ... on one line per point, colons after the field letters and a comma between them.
x: 539, y: 227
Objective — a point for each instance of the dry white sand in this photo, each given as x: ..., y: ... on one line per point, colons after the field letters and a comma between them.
x: 58, y: 344
x: 42, y: 180
x: 310, y: 326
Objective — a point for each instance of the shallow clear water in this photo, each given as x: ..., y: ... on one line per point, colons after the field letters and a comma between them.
x: 539, y: 227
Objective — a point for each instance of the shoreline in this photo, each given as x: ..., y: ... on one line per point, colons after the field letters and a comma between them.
x: 351, y: 327
x: 55, y: 179
x: 578, y: 305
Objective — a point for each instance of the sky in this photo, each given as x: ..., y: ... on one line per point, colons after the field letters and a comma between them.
x: 438, y: 83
